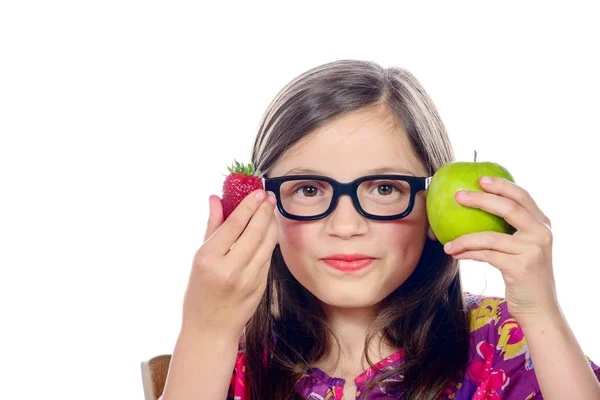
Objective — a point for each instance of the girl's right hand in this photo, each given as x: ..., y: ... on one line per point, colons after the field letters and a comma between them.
x: 229, y: 271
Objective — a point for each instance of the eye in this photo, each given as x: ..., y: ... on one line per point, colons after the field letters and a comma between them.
x: 385, y: 189
x: 308, y: 191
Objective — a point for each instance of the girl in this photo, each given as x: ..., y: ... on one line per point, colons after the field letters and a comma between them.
x: 333, y: 286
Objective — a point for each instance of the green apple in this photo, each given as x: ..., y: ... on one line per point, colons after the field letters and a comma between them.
x: 447, y: 218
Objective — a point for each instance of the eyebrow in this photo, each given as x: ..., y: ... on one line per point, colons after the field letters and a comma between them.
x: 375, y: 171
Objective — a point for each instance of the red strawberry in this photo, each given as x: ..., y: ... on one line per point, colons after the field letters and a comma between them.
x: 241, y: 181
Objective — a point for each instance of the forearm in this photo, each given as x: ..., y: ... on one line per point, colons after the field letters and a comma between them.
x: 201, y: 367
x: 561, y: 368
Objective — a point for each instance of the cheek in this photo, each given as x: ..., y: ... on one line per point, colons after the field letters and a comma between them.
x: 404, y: 238
x: 403, y: 232
x: 293, y: 236
x: 295, y: 240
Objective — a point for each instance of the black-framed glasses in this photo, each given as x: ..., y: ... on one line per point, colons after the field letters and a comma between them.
x: 378, y: 197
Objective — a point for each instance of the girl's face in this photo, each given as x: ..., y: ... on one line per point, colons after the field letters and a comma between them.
x: 344, y: 149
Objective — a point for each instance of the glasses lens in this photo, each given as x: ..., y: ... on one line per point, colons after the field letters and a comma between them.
x: 383, y: 197
x: 305, y: 198
x: 309, y: 198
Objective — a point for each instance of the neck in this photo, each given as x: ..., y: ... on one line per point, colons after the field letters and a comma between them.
x: 350, y: 326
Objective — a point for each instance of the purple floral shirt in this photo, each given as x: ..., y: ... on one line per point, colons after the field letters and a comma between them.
x: 499, y: 367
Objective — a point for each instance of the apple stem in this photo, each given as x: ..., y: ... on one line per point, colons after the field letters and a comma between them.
x: 475, y: 159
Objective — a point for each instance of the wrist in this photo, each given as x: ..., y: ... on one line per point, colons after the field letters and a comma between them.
x: 552, y: 317
x: 218, y: 339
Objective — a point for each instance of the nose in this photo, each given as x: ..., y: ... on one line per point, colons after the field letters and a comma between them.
x: 345, y: 221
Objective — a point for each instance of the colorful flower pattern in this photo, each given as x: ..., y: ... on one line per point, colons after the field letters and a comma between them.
x: 500, y: 366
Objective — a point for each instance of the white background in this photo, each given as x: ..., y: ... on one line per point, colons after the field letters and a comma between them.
x: 117, y: 119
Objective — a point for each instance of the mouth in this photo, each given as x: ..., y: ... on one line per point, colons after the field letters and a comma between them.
x: 348, y: 262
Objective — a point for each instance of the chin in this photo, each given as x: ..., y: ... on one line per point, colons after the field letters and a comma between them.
x: 346, y: 298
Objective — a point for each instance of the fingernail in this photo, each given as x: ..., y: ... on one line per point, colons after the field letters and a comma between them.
x: 447, y: 247
x: 461, y: 195
x: 271, y: 198
x: 485, y: 180
x: 260, y: 195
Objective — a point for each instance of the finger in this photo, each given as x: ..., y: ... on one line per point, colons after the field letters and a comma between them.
x: 503, y: 207
x: 253, y: 235
x: 501, y: 261
x: 230, y: 230
x: 265, y: 248
x: 488, y: 240
x: 511, y: 190
x: 262, y: 272
x: 263, y: 276
x: 215, y: 216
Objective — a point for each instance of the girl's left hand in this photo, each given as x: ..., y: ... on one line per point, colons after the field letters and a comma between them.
x: 524, y: 258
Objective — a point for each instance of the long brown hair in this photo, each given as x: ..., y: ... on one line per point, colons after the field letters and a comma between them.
x: 425, y: 316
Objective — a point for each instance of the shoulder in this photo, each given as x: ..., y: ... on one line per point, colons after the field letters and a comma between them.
x: 490, y: 320
x: 484, y: 310
x: 493, y: 329
x: 238, y: 386
x: 499, y: 359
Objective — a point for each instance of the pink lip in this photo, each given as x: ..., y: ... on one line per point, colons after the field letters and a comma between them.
x: 347, y: 257
x: 348, y: 262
